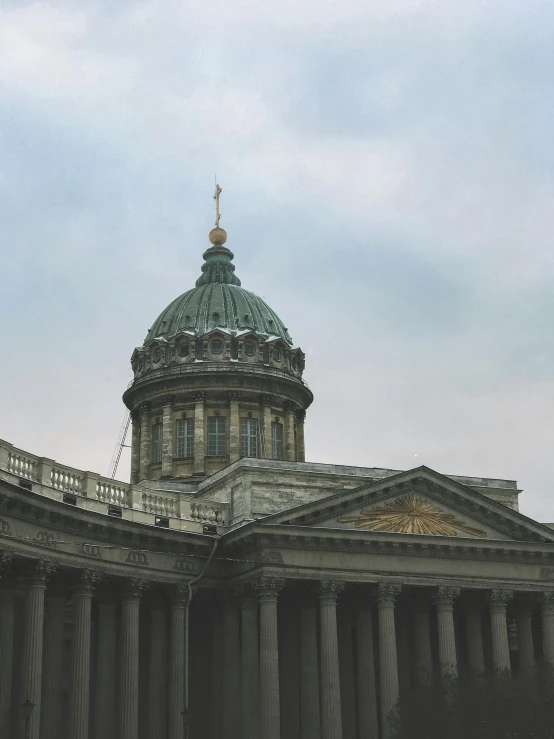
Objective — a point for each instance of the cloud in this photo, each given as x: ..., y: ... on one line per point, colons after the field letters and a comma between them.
x: 388, y: 184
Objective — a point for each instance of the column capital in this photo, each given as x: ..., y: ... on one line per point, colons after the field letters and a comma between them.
x: 445, y: 597
x: 5, y: 559
x: 168, y: 400
x: 300, y: 415
x: 87, y: 581
x: 180, y: 595
x: 132, y: 590
x: 289, y: 406
x: 329, y: 591
x: 387, y: 593
x: 199, y: 397
x: 39, y: 572
x: 498, y: 599
x: 268, y: 588
x: 143, y: 409
x: 266, y: 399
x: 234, y: 396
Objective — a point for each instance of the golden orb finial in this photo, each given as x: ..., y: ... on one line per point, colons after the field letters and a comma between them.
x: 218, y: 236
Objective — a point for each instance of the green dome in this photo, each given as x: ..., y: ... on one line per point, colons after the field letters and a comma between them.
x: 218, y: 301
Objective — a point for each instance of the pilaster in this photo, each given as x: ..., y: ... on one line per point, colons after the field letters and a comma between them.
x: 157, y: 670
x: 53, y: 661
x: 266, y: 401
x: 104, y: 718
x: 473, y: 608
x: 145, y: 442
x: 234, y: 427
x: 179, y: 601
x: 300, y: 446
x: 422, y: 639
x: 167, y: 436
x: 525, y: 647
x: 231, y: 664
x: 199, y: 446
x: 289, y: 440
x: 367, y: 692
x: 135, y: 448
x: 249, y: 665
x: 129, y: 666
x: 310, y: 717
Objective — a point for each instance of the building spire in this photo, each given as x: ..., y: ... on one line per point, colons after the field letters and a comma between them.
x: 218, y: 192
x: 218, y: 235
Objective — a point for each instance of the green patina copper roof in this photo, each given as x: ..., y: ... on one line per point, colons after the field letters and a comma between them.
x: 218, y: 301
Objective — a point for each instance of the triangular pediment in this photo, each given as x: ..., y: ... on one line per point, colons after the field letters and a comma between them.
x: 418, y: 502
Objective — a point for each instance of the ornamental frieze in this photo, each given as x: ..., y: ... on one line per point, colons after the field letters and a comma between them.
x: 410, y: 514
x: 136, y: 557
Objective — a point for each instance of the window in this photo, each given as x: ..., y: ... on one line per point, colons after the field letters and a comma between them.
x: 217, y: 442
x: 157, y: 443
x: 276, y: 440
x: 277, y: 355
x: 249, y: 427
x: 156, y: 354
x: 216, y: 346
x: 249, y: 349
x: 185, y: 438
x: 184, y: 350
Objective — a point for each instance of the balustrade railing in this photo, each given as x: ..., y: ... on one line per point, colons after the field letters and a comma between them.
x: 50, y: 476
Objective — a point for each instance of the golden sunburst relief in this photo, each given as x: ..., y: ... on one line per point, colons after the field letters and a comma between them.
x: 410, y: 514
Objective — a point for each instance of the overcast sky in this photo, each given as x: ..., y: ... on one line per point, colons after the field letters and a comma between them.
x: 388, y: 182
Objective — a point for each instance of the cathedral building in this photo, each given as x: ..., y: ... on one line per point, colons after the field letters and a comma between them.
x: 233, y: 590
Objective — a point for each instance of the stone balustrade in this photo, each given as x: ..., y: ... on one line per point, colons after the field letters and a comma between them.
x: 95, y: 492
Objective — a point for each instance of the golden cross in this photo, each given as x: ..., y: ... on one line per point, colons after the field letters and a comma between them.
x: 218, y: 192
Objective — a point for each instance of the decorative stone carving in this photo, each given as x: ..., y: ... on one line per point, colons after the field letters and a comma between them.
x: 168, y: 400
x: 87, y: 581
x: 410, y: 514
x: 233, y: 396
x: 180, y: 594
x: 143, y: 408
x: 445, y: 596
x: 91, y: 550
x: 136, y: 557
x: 199, y: 397
x: 184, y: 565
x: 499, y: 598
x: 4, y: 528
x: 301, y: 415
x: 268, y: 587
x: 46, y: 539
x: 329, y: 591
x: 387, y: 593
x: 133, y: 589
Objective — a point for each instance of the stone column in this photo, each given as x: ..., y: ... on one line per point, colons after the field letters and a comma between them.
x: 289, y: 689
x: 104, y: 718
x: 145, y: 442
x: 289, y: 441
x: 447, y: 635
x: 249, y: 666
x: 388, y: 662
x: 53, y: 662
x: 346, y: 672
x: 33, y: 623
x: 331, y: 719
x: 79, y: 689
x: 217, y: 671
x: 300, y: 448
x: 199, y: 446
x: 267, y: 400
x: 268, y: 590
x: 129, y: 664
x: 547, y: 612
x: 7, y: 615
x: 231, y: 665
x: 135, y: 448
x: 498, y: 601
x: 310, y: 721
x: 157, y: 672
x: 367, y: 693
x: 177, y: 662
x: 234, y: 427
x: 422, y: 640
x: 525, y: 647
x: 474, y: 637
x: 167, y: 436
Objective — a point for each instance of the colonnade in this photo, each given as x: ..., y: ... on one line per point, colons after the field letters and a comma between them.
x: 292, y: 419
x: 269, y: 659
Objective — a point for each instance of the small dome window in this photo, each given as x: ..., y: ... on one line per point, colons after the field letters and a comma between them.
x: 184, y: 350
x: 249, y: 349
x: 216, y: 316
x: 216, y: 347
x: 141, y: 364
x: 295, y: 364
x: 157, y: 354
x: 277, y: 356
